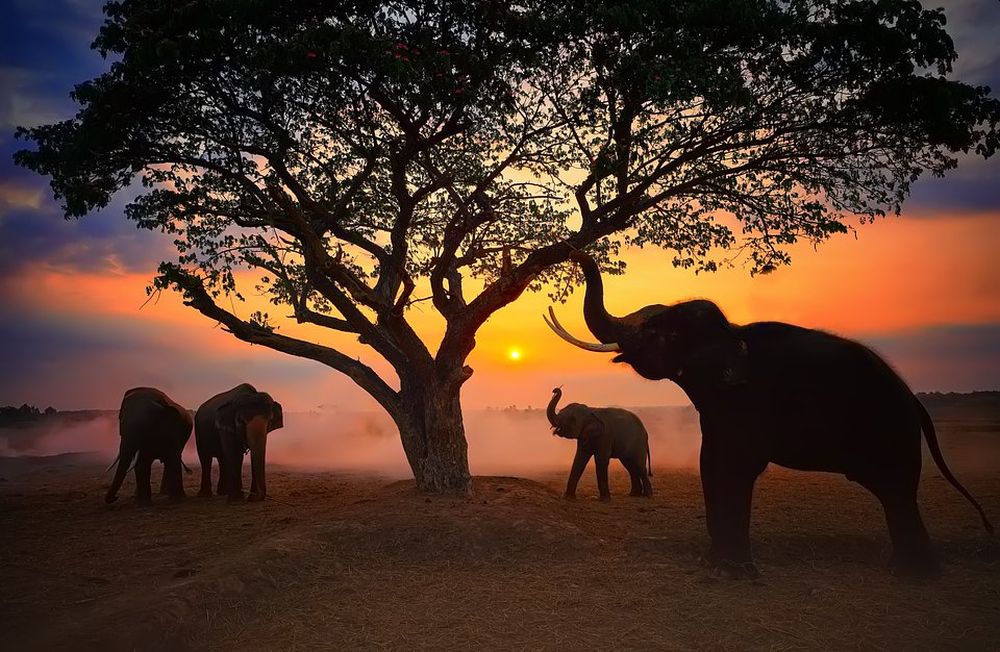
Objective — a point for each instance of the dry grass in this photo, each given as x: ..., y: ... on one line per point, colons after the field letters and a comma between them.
x: 340, y: 561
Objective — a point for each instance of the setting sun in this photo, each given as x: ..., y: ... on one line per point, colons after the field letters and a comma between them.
x: 514, y: 354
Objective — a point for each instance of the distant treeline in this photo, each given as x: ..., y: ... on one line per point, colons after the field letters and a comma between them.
x: 981, y: 398
x: 10, y: 415
x: 26, y: 415
x: 952, y: 404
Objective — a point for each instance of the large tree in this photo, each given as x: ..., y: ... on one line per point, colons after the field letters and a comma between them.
x: 362, y: 156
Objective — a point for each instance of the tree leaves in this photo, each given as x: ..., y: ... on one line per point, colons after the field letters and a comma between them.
x: 352, y: 151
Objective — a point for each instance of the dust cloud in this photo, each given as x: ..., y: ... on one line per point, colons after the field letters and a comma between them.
x: 501, y: 442
x: 95, y: 432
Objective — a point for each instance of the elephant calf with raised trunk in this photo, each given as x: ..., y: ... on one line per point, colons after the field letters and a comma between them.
x: 771, y: 392
x: 226, y: 427
x: 604, y: 434
x: 152, y: 427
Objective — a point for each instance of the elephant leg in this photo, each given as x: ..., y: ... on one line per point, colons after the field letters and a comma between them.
x: 734, y: 500
x: 647, y: 484
x: 221, y: 487
x: 727, y: 482
x: 143, y: 489
x: 164, y: 481
x: 708, y: 480
x: 912, y: 552
x: 234, y: 492
x: 635, y: 477
x: 174, y: 480
x: 601, y: 462
x: 580, y: 462
x: 206, y: 474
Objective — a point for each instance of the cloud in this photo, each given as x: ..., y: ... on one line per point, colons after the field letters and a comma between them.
x: 955, y: 357
x: 972, y: 25
x: 13, y: 196
x: 88, y: 362
x: 101, y: 242
x: 24, y: 104
x: 46, y: 32
x: 972, y: 188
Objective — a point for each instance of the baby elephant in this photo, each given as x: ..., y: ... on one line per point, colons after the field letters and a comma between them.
x: 603, y: 433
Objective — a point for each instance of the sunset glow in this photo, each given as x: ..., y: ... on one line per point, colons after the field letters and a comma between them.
x: 920, y: 288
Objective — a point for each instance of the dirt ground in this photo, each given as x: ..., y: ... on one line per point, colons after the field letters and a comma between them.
x: 338, y: 561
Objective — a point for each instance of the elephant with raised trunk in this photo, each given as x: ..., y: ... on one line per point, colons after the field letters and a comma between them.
x: 604, y: 434
x: 772, y: 392
x: 226, y: 427
x: 152, y: 427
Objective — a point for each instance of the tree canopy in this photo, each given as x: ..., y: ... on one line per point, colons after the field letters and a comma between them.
x: 357, y: 153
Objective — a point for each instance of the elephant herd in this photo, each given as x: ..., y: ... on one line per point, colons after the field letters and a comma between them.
x: 154, y: 427
x: 766, y: 392
x: 769, y: 392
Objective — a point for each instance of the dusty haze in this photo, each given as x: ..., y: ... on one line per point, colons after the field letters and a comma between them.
x: 501, y: 442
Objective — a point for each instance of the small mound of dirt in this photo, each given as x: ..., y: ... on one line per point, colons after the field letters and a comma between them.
x: 509, y: 518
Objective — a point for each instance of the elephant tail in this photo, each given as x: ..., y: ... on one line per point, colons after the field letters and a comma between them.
x: 932, y: 444
x: 124, y: 463
x: 649, y: 462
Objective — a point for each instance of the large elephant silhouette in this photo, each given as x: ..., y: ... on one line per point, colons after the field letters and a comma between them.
x: 152, y: 427
x: 226, y: 427
x: 604, y: 434
x: 773, y: 392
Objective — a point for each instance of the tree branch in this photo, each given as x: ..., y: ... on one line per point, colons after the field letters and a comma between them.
x: 196, y: 296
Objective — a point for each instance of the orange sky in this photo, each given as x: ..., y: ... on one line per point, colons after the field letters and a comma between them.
x: 922, y: 290
x: 899, y: 276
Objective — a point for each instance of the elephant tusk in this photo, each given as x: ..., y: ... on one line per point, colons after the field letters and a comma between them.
x: 558, y: 329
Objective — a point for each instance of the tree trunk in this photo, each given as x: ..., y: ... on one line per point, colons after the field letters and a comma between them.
x: 433, y: 434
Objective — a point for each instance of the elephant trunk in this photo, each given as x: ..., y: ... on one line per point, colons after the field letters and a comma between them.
x: 550, y: 411
x: 607, y: 328
x: 125, y: 455
x: 256, y: 430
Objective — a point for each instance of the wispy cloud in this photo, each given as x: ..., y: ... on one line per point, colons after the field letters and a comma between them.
x: 14, y: 195
x: 26, y: 100
x: 973, y: 26
x: 951, y: 357
x: 35, y: 233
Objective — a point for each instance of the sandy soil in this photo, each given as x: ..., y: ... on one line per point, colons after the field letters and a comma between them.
x: 340, y: 561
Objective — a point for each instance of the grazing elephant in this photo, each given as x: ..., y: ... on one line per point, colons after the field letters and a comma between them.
x: 604, y: 434
x: 152, y: 427
x: 226, y: 427
x: 773, y: 392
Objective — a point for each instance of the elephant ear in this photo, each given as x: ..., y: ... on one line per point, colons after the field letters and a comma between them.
x: 277, y: 417
x: 258, y: 404
x: 724, y: 359
x: 594, y: 420
x: 225, y: 416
